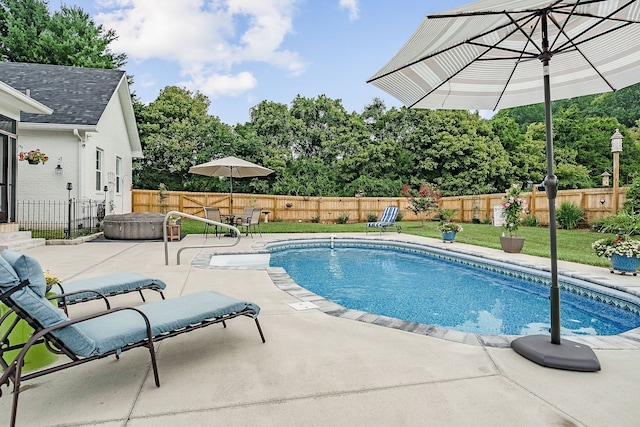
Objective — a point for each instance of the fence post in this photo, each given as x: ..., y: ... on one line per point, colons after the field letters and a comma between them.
x: 68, y: 233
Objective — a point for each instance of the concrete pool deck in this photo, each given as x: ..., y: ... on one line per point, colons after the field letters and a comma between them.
x: 314, y: 369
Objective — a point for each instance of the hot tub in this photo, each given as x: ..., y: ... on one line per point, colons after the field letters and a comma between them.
x: 134, y: 226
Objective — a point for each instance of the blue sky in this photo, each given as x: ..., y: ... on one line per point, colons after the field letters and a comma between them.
x: 241, y: 52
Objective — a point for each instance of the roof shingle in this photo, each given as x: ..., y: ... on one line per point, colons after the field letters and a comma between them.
x: 78, y: 96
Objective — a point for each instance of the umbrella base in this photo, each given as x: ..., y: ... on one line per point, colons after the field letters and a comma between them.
x: 568, y: 355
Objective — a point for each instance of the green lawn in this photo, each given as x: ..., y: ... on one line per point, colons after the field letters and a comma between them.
x: 573, y: 245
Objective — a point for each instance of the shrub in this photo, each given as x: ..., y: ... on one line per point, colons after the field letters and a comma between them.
x: 343, y: 218
x: 632, y: 202
x: 569, y: 215
x: 530, y: 221
x: 315, y: 219
x: 400, y: 216
x: 446, y: 214
x: 623, y: 223
x: 371, y: 217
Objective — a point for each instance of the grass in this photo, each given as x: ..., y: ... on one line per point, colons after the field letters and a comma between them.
x: 573, y: 245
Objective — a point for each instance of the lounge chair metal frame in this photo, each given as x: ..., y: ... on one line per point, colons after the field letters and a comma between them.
x: 13, y: 371
x: 92, y: 293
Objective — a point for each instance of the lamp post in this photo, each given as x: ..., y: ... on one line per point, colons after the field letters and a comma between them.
x: 616, y: 148
x: 68, y: 230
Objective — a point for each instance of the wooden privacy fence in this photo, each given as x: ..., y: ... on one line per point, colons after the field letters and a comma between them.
x: 596, y: 203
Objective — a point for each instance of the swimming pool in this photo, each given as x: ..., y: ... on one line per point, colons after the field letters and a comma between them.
x: 459, y: 292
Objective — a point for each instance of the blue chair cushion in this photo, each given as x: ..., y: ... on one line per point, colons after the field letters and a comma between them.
x: 27, y: 268
x: 116, y: 330
x: 110, y: 284
x: 39, y: 308
x: 388, y: 217
x: 8, y: 276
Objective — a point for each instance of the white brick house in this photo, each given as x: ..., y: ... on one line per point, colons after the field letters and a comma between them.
x: 91, y: 138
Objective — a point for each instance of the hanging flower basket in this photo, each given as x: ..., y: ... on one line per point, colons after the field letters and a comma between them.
x: 34, y: 157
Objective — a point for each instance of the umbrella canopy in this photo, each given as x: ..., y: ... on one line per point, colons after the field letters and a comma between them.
x: 232, y: 167
x: 487, y: 55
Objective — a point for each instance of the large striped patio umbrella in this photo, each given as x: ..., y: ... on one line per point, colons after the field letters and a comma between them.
x: 495, y: 54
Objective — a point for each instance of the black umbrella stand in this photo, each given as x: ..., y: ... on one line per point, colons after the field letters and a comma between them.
x: 568, y: 355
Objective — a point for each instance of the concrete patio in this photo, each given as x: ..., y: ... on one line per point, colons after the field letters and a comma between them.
x: 314, y: 369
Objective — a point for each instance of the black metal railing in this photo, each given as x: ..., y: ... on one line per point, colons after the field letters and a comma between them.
x: 53, y: 219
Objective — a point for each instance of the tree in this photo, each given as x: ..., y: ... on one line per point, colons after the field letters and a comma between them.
x: 176, y: 133
x: 425, y: 199
x: 28, y: 33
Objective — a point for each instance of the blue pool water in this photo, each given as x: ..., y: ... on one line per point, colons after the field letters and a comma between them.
x: 425, y: 289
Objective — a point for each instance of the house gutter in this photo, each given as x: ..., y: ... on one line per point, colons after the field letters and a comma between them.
x: 80, y: 186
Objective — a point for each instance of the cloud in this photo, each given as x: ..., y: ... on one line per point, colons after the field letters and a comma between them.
x: 216, y: 85
x: 352, y: 7
x: 211, y: 40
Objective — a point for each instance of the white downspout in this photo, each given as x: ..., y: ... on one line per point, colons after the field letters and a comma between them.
x: 80, y: 185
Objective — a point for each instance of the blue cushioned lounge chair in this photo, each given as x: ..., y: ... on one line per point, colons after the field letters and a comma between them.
x: 388, y: 219
x: 101, y: 286
x: 92, y: 337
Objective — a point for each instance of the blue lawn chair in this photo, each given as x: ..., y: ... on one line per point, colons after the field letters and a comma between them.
x: 388, y: 219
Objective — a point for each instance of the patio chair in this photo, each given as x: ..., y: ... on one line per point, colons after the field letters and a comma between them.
x: 214, y: 215
x: 252, y: 220
x: 102, y: 334
x: 244, y: 216
x: 388, y: 219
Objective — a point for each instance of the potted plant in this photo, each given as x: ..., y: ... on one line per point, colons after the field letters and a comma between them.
x: 34, y: 157
x: 513, y: 205
x: 623, y: 252
x: 449, y: 230
x: 50, y: 280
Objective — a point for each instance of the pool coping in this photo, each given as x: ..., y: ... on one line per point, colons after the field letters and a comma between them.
x: 629, y: 340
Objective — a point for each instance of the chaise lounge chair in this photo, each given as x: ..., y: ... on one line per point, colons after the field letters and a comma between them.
x: 109, y: 332
x: 101, y: 286
x: 388, y: 219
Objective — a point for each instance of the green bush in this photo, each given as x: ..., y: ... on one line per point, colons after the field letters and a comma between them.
x: 371, y: 217
x: 623, y: 223
x: 530, y: 221
x: 343, y: 218
x: 315, y: 219
x: 569, y: 215
x: 632, y: 196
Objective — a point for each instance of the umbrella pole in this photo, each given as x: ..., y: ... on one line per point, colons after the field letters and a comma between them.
x: 537, y: 348
x: 231, y: 192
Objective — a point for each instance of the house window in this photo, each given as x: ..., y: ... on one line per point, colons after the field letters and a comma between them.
x: 99, y: 162
x: 118, y: 169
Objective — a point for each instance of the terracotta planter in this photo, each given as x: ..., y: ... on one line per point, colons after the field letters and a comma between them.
x: 512, y: 245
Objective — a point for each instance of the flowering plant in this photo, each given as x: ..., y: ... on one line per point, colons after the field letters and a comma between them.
x: 513, y: 205
x: 447, y: 226
x: 34, y: 156
x: 425, y: 199
x: 51, y: 280
x: 619, y: 245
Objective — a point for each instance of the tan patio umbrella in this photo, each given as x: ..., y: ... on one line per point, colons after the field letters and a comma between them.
x: 486, y: 55
x: 232, y: 167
